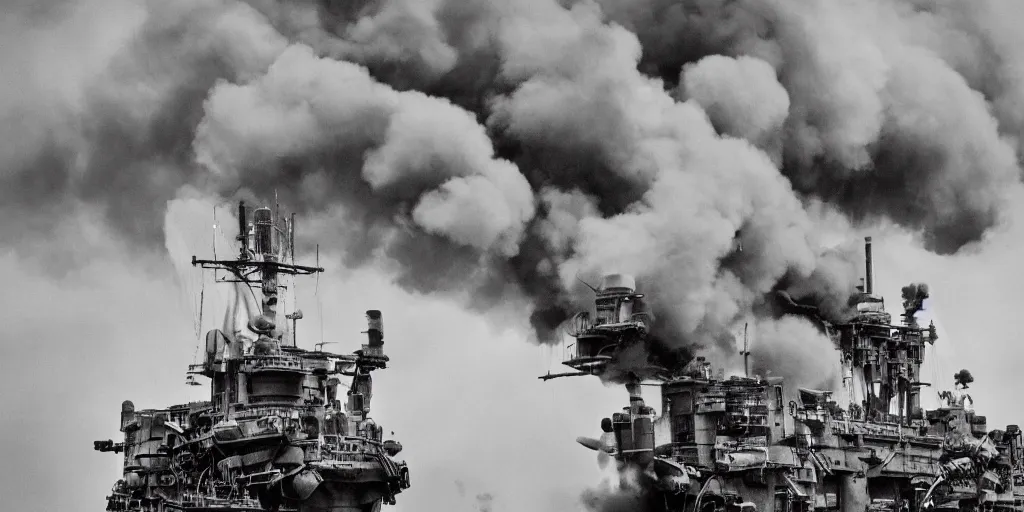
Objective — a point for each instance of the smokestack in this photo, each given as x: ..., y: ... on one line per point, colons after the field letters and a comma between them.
x: 127, y: 413
x: 242, y: 235
x: 867, y: 265
x: 375, y: 330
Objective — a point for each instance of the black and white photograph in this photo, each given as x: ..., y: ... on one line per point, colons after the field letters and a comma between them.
x: 511, y: 255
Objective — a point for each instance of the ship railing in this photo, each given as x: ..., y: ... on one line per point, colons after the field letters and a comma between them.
x: 274, y: 362
x: 257, y: 478
x: 749, y: 443
x: 710, y: 403
x: 745, y: 398
x: 345, y: 457
x: 372, y: 351
x: 884, y: 420
x: 617, y: 326
x: 742, y: 422
x: 282, y: 409
x: 192, y: 500
x: 323, y: 364
x: 818, y: 417
x: 337, y: 438
x: 688, y: 455
x: 348, y: 448
x: 344, y: 452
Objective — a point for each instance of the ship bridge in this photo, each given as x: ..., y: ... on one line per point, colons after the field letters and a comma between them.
x: 620, y: 322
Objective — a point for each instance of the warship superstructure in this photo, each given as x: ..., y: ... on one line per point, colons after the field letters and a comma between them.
x: 274, y: 435
x: 741, y: 443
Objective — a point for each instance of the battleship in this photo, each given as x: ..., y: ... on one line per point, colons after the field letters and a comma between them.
x: 737, y: 444
x: 274, y: 434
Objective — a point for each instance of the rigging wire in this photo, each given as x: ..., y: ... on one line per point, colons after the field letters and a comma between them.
x: 316, y: 293
x: 195, y: 354
x: 202, y: 289
x: 176, y: 242
x: 936, y: 356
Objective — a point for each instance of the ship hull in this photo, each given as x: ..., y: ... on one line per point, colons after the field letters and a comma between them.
x: 353, y: 487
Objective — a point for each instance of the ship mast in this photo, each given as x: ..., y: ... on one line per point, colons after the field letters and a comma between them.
x: 745, y: 353
x: 266, y: 251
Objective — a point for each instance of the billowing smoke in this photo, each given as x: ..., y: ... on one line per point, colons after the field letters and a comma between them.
x: 743, y: 98
x: 622, y: 494
x: 119, y: 134
x: 796, y: 345
x: 493, y: 151
x: 898, y: 110
x: 914, y: 295
x: 485, y: 502
x: 391, y: 153
x: 963, y: 378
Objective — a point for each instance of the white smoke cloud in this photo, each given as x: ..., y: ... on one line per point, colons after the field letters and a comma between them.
x: 789, y: 348
x: 742, y: 97
x: 414, y: 146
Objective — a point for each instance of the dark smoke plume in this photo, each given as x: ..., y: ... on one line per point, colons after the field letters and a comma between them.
x: 492, y: 151
x: 914, y: 295
x: 118, y: 136
x: 907, y: 110
x: 963, y: 378
x: 625, y: 495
